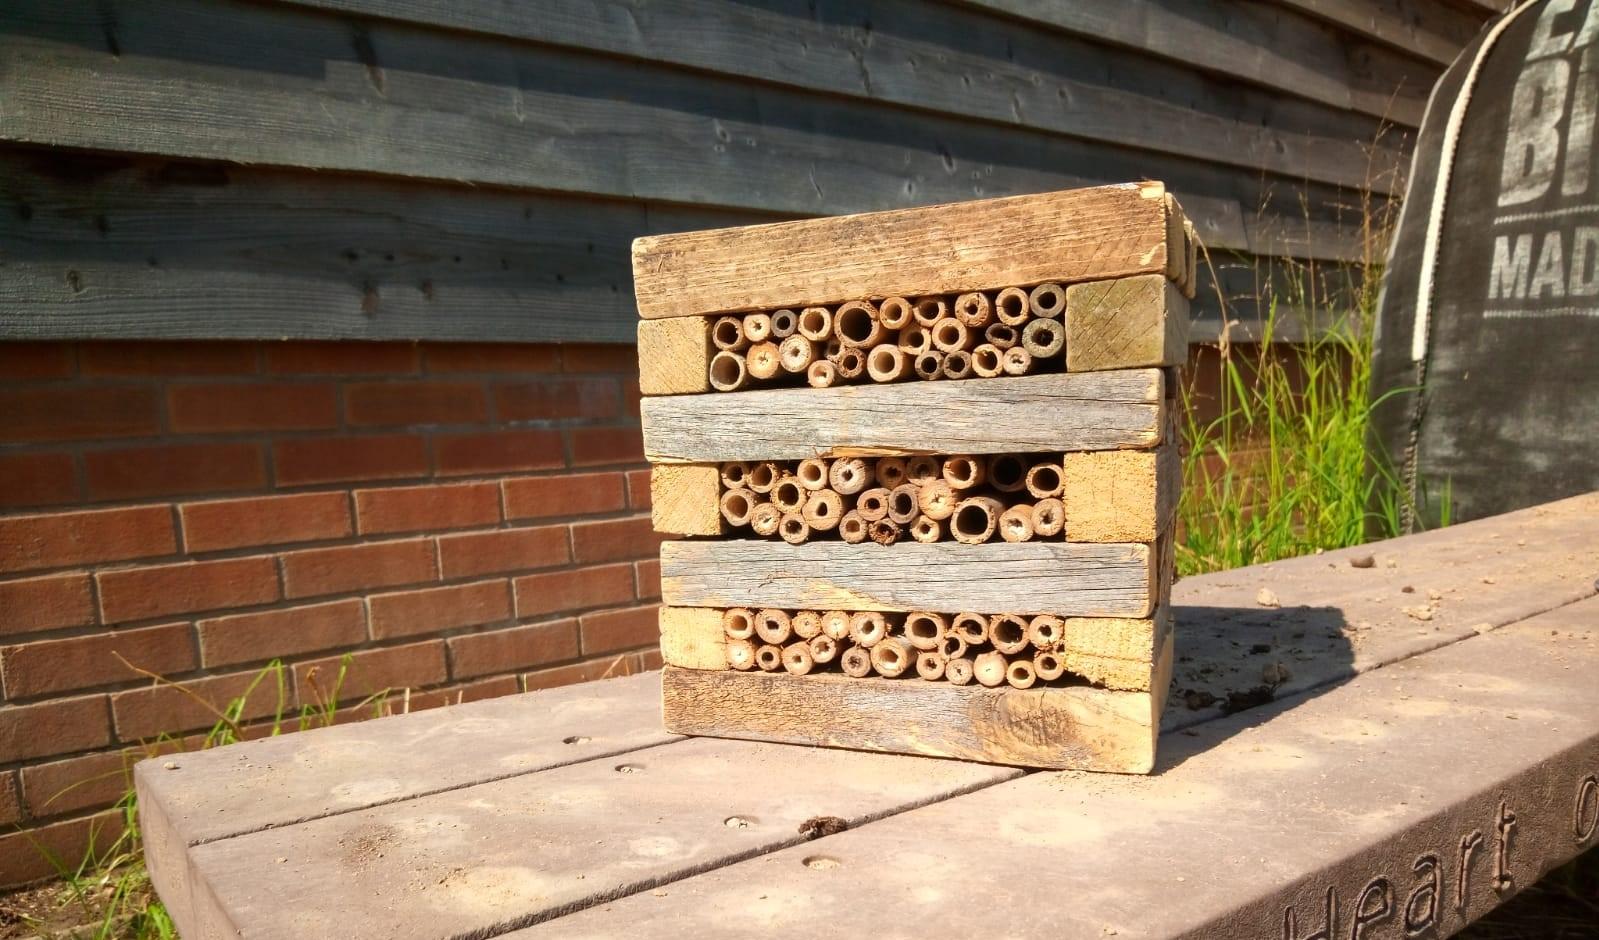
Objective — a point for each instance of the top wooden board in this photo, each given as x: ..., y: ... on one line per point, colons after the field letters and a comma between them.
x: 1077, y: 235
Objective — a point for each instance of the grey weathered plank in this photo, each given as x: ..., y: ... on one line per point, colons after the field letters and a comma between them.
x: 1427, y: 28
x: 500, y: 855
x: 1024, y: 414
x: 1062, y: 578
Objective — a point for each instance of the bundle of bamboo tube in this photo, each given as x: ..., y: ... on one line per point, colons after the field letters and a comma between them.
x: 970, y: 499
x: 989, y: 649
x: 1014, y: 331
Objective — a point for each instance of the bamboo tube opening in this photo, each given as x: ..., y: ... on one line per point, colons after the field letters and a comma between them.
x: 851, y: 362
x: 952, y: 646
x: 832, y: 349
x: 821, y: 374
x: 930, y: 665
x: 1007, y: 472
x: 793, y: 528
x: 765, y: 519
x: 773, y: 626
x: 728, y: 333
x: 894, y: 312
x: 1008, y: 633
x: 957, y: 364
x: 812, y: 473
x: 930, y: 365
x: 1049, y: 518
x: 884, y: 531
x: 915, y: 340
x: 1001, y: 337
x: 788, y: 495
x: 890, y: 471
x: 733, y: 473
x: 1020, y: 674
x: 1011, y: 306
x: 1017, y: 361
x: 958, y: 671
x: 738, y: 623
x: 873, y: 504
x: 727, y: 371
x: 1045, y: 630
x: 823, y: 510
x: 1044, y: 338
x: 852, y: 528
x: 1044, y: 480
x: 988, y: 669
x: 835, y: 623
x: 815, y: 323
x: 856, y: 662
x: 867, y: 628
x: 963, y: 472
x: 975, y: 519
x: 769, y: 658
x: 885, y: 363
x: 936, y: 499
x: 784, y: 323
x: 921, y: 469
x: 973, y: 309
x: 736, y: 506
x: 757, y: 327
x: 848, y: 475
x: 986, y: 360
x: 1047, y: 300
x: 741, y: 654
x: 856, y: 324
x: 763, y: 360
x: 892, y: 657
x: 796, y: 354
x: 762, y: 477
x: 973, y: 628
x: 1048, y: 666
x: 824, y: 649
x: 902, y: 507
x: 806, y: 623
x: 929, y: 310
x: 950, y: 334
x: 1016, y: 524
x: 927, y: 530
x: 797, y: 658
x: 925, y: 629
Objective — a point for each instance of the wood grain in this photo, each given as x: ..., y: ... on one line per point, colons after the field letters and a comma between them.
x: 674, y: 356
x: 1024, y: 414
x: 692, y: 638
x: 683, y: 499
x: 1121, y: 496
x: 1126, y: 323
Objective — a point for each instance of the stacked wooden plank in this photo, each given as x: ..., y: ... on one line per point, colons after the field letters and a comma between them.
x: 984, y: 558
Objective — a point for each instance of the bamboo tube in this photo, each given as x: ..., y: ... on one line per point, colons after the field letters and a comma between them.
x: 950, y: 334
x: 849, y: 475
x: 858, y: 323
x: 1011, y: 306
x: 953, y: 646
x: 793, y: 528
x: 1044, y: 338
x: 902, y: 506
x: 856, y: 662
x: 1049, y: 518
x: 784, y: 323
x: 835, y: 623
x: 806, y: 623
x: 765, y: 519
x: 741, y: 655
x: 958, y: 671
x: 989, y: 669
x: 852, y: 528
x: 796, y: 354
x: 890, y: 471
x: 929, y: 310
x: 1007, y: 473
x: 1002, y: 337
x: 1008, y: 632
x: 1045, y: 630
x: 851, y: 362
x: 1017, y: 361
x: 886, y: 363
x: 1016, y: 524
x: 787, y: 494
x: 986, y: 361
x: 873, y: 504
x: 824, y: 649
x: 769, y: 657
x: 757, y: 328
x: 812, y: 473
x: 1044, y: 480
x: 728, y: 373
x: 1047, y: 666
x: 930, y: 365
x: 763, y: 360
x: 915, y: 340
x: 927, y: 530
x: 738, y: 623
x: 815, y: 324
x: 964, y: 472
x: 884, y: 531
x: 957, y: 364
x: 823, y: 510
x: 773, y: 626
x: 894, y: 313
x: 737, y: 505
x: 821, y: 374
x: 762, y: 476
x: 1020, y: 674
x: 924, y: 629
x: 1048, y: 300
x: 833, y: 349
x: 892, y: 657
x: 797, y: 658
x: 867, y: 628
x: 921, y: 469
x: 973, y: 309
x: 728, y: 333
x: 733, y: 473
x: 936, y: 500
x: 973, y: 628
x: 930, y: 665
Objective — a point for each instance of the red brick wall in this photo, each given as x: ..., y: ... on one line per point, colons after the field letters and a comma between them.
x: 465, y: 520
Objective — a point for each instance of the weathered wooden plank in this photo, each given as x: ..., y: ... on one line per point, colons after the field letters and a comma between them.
x: 1024, y: 414
x: 674, y: 356
x: 683, y: 499
x: 1062, y: 578
x: 478, y: 861
x: 1427, y: 28
x: 1076, y: 235
x: 1126, y: 324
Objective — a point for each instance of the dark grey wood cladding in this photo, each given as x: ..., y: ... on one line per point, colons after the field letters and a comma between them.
x: 454, y: 169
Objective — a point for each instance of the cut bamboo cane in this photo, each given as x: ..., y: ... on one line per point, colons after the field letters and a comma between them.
x: 773, y: 626
x: 921, y: 469
x: 815, y: 324
x: 1049, y: 518
x: 796, y: 354
x: 915, y: 340
x: 765, y: 519
x: 957, y: 364
x: 852, y: 528
x: 973, y: 628
x: 964, y: 472
x: 784, y: 323
x: 793, y: 528
x: 738, y: 623
x: 892, y: 657
x: 856, y: 662
x: 757, y: 327
x: 987, y: 361
x: 737, y: 505
x: 1016, y: 524
x: 851, y: 363
x: 873, y: 504
x: 762, y: 476
x: 821, y: 374
x: 930, y: 365
x: 858, y: 324
x: 1044, y: 338
x: 958, y: 671
x: 1008, y: 632
x: 952, y: 646
x: 1012, y: 307
x: 924, y: 629
x: 769, y: 658
x: 1001, y: 336
x: 763, y: 360
x: 741, y: 654
x: 929, y: 310
x: 927, y: 530
x: 1020, y: 674
x: 812, y: 473
x: 835, y: 623
x: 788, y: 495
x: 886, y: 363
x: 849, y: 475
x: 797, y: 658
x: 1017, y: 361
x: 832, y: 349
x: 1048, y: 300
x: 1007, y: 473
x: 728, y: 373
x: 884, y: 531
x: 1045, y: 631
x: 950, y: 334
x: 823, y: 510
x: 894, y: 313
x: 733, y: 474
x: 973, y: 309
x: 930, y: 665
x: 1044, y: 480
x: 824, y: 649
x: 902, y: 506
x: 1048, y: 666
x: 728, y: 333
x: 890, y: 471
x: 988, y: 669
x: 806, y: 623
x: 937, y: 500
x: 867, y: 628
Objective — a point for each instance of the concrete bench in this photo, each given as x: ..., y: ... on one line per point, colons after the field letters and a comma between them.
x: 1394, y: 747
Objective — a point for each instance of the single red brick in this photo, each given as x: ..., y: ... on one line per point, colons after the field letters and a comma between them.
x: 30, y: 413
x: 31, y: 605
x: 492, y: 357
x: 11, y: 798
x: 192, y: 705
x: 610, y: 630
x: 93, y: 781
x: 59, y: 726
x: 478, y: 654
x: 632, y: 398
x: 574, y: 590
x: 140, y: 593
x: 649, y: 659
x: 465, y: 692
x: 40, y: 479
x: 162, y: 359
x: 345, y: 459
x: 430, y: 507
x: 83, y: 662
x: 54, y: 540
x: 27, y: 855
x: 593, y: 447
x: 278, y: 634
x: 600, y: 357
x: 396, y: 668
x: 27, y: 361
x: 647, y: 575
x: 340, y: 568
x: 462, y: 556
x: 614, y: 539
x: 638, y: 488
x: 265, y: 406
x: 174, y: 469
x: 577, y: 494
x: 555, y: 398
x: 409, y: 403
x: 610, y: 667
x: 264, y: 520
x: 498, y: 452
x: 341, y: 357
x: 431, y: 610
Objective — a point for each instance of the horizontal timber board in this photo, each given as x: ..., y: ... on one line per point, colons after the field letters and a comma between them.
x: 1074, y: 727
x: 1121, y: 409
x: 1063, y: 578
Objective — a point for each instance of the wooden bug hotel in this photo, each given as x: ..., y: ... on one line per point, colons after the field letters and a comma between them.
x: 922, y: 468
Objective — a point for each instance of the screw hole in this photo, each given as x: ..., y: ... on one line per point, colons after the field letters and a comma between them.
x: 821, y: 862
x: 739, y: 822
x: 629, y: 768
x: 575, y: 739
